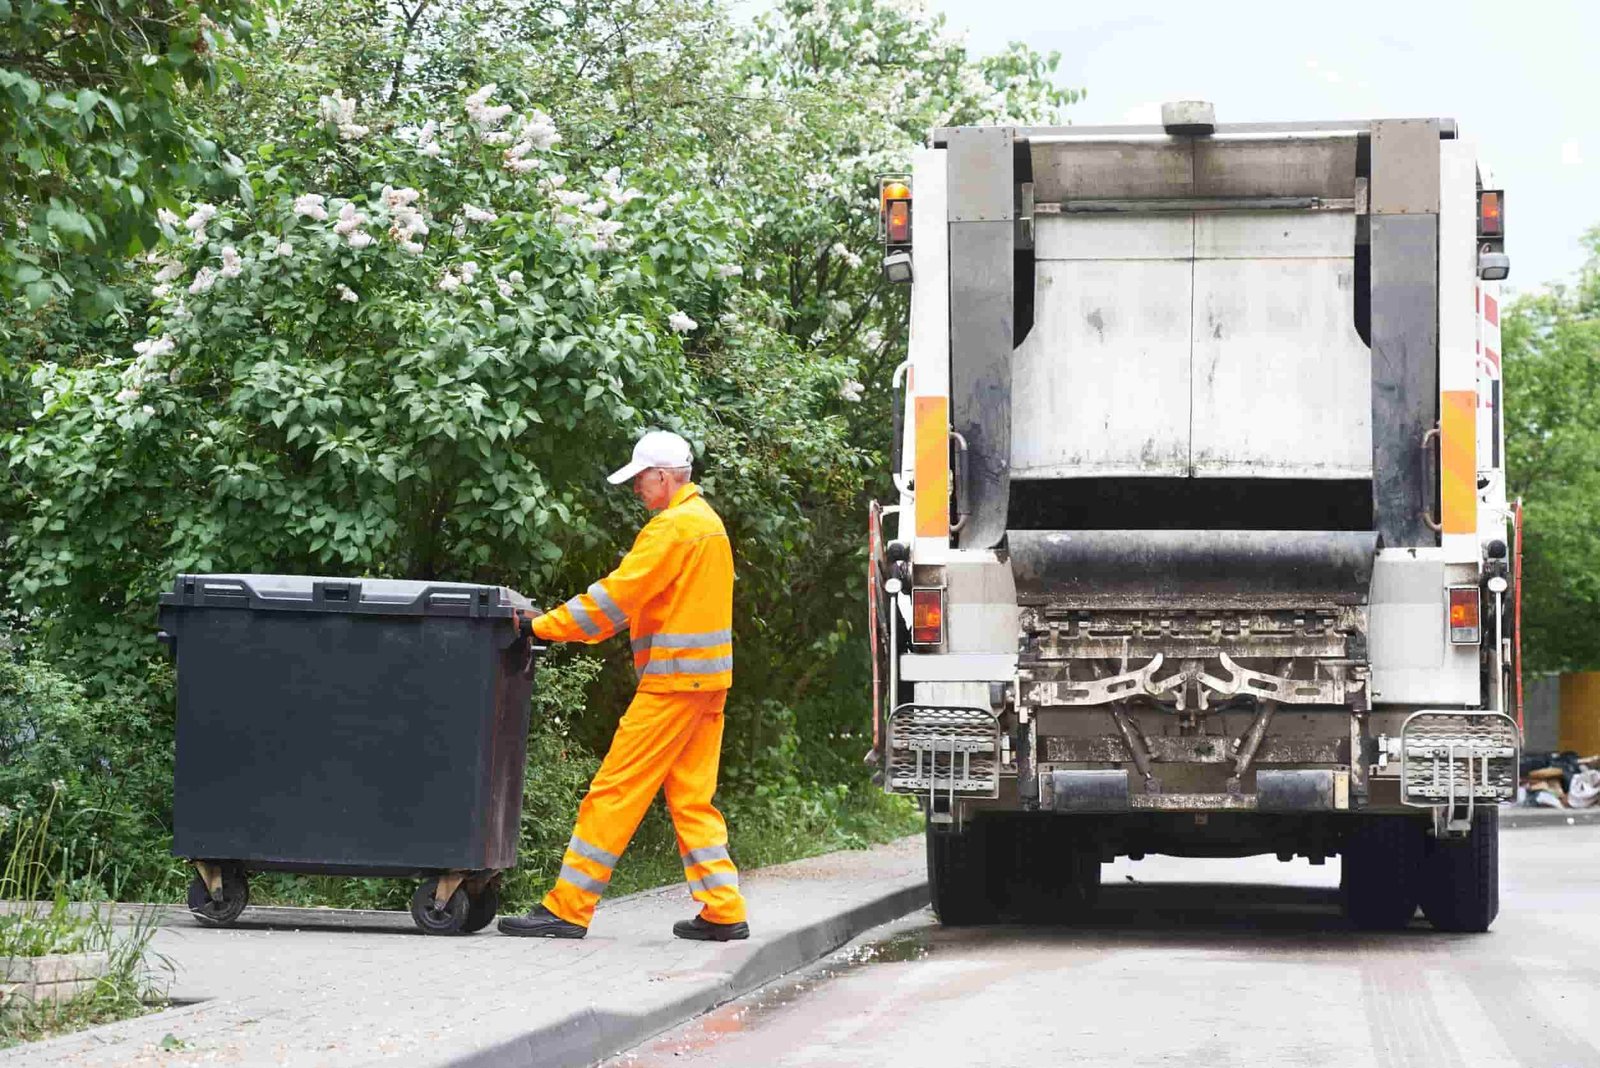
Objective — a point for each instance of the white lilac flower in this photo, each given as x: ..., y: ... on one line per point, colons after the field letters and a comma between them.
x: 469, y: 272
x: 349, y: 219
x: 478, y: 215
x: 170, y: 272
x: 851, y: 391
x: 127, y: 396
x: 681, y: 323
x: 517, y: 151
x: 515, y: 278
x: 153, y: 348
x: 311, y: 206
x: 729, y: 270
x: 539, y: 130
x: 360, y: 239
x: 522, y: 166
x: 872, y: 339
x: 497, y: 138
x: 341, y: 112
x: 203, y: 213
x: 449, y: 283
x: 551, y: 182
x: 416, y: 248
x: 147, y: 410
x: 844, y: 253
x: 160, y: 291
x: 178, y: 311
x: 597, y: 206
x: 481, y: 97
x: 426, y: 134
x: 607, y: 228
x: 431, y: 150
x: 169, y: 218
x: 204, y: 279
x: 612, y: 176
x: 232, y: 265
x: 284, y: 250
x: 399, y: 198
x: 571, y: 198
x: 505, y: 288
x: 346, y: 293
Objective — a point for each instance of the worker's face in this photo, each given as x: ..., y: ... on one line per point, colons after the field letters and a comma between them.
x: 652, y: 488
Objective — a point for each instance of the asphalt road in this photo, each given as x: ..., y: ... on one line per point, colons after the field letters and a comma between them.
x: 1200, y: 963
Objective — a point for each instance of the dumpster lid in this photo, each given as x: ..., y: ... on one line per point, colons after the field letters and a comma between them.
x: 370, y: 596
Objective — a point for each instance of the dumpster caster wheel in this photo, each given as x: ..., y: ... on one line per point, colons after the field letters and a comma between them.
x: 450, y: 920
x: 235, y: 896
x: 482, y: 907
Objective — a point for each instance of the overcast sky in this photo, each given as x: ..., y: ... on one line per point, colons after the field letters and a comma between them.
x: 1522, y: 79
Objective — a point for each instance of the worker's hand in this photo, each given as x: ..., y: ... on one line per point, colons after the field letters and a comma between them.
x: 524, y: 620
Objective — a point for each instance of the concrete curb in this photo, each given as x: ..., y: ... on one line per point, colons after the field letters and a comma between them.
x: 592, y: 1035
x: 1524, y: 817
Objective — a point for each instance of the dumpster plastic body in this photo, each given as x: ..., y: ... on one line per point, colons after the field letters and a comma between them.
x: 347, y: 727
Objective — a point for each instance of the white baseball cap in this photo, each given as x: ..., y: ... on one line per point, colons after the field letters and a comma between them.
x: 658, y: 448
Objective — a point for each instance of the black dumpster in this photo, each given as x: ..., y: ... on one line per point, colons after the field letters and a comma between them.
x: 349, y: 727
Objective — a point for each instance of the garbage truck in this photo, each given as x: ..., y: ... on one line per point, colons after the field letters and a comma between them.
x: 1199, y: 542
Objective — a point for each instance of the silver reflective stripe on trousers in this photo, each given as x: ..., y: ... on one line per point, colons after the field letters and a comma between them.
x: 711, y: 882
x: 581, y: 880
x: 591, y: 852
x: 613, y: 611
x: 709, y: 639
x: 705, y: 855
x: 715, y: 665
x: 581, y: 614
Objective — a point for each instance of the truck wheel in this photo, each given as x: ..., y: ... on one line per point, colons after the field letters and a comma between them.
x: 1461, y: 877
x: 959, y: 875
x: 1378, y: 883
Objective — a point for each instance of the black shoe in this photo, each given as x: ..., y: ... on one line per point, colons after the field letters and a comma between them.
x: 700, y: 930
x: 540, y: 922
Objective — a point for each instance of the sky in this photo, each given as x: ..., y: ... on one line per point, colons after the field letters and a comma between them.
x: 1522, y: 80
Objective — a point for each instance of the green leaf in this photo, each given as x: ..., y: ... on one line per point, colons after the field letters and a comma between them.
x: 65, y: 220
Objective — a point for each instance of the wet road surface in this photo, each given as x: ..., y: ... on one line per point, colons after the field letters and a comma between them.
x: 1202, y: 963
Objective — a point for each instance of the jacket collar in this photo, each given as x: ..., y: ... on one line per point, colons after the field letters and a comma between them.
x: 687, y: 491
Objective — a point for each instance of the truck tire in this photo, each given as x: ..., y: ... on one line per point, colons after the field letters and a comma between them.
x: 960, y: 878
x: 1461, y: 877
x: 1378, y: 884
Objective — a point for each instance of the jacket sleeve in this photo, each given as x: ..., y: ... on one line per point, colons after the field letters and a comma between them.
x: 608, y: 605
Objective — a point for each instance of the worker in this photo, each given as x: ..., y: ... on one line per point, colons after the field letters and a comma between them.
x: 674, y: 592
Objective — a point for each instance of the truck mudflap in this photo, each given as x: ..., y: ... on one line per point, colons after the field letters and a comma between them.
x: 942, y: 753
x: 1216, y: 566
x: 1453, y: 761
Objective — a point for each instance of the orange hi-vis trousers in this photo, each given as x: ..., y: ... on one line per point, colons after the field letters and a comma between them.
x: 665, y: 740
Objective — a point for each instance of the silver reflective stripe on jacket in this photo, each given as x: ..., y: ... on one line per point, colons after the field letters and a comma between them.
x: 584, y: 620
x: 715, y: 665
x: 709, y: 639
x: 613, y: 611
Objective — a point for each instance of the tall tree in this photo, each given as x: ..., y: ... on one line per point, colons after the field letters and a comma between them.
x: 1552, y: 372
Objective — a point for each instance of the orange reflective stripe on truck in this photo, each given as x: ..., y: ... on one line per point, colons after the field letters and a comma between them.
x: 1458, y: 461
x: 932, y: 471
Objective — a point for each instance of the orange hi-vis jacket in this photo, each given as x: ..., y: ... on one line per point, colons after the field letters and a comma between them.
x: 674, y: 591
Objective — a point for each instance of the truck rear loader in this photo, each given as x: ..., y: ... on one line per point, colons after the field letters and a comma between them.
x: 1201, y: 544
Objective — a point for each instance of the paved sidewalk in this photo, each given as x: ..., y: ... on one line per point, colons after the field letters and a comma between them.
x: 313, y: 987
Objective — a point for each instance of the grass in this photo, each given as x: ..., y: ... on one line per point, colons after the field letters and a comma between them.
x: 46, y: 921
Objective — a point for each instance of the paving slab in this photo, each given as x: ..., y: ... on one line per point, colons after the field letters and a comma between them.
x: 303, y: 988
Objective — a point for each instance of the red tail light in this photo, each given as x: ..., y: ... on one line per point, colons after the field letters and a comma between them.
x: 1491, y: 214
x: 898, y: 223
x: 1464, y: 623
x: 927, y: 616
